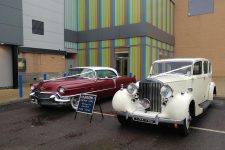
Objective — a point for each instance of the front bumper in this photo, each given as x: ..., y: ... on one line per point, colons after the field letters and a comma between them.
x: 49, y: 99
x: 152, y: 119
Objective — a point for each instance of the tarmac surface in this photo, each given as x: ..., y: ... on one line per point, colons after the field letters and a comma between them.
x: 26, y: 126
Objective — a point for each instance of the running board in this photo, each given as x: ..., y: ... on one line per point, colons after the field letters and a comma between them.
x: 205, y: 104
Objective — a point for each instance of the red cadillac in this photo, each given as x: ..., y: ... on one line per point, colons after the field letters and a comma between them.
x: 65, y: 91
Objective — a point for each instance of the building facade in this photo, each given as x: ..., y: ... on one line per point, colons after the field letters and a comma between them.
x: 199, y: 31
x: 43, y: 44
x: 124, y: 34
x: 11, y: 36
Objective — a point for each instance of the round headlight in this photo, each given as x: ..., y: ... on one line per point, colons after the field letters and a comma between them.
x: 166, y: 91
x: 61, y: 90
x: 32, y: 87
x: 132, y: 89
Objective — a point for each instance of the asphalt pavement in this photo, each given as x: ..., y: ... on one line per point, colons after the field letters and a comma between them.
x: 26, y: 126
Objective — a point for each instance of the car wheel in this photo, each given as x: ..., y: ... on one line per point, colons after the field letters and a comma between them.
x: 74, y: 102
x: 185, y: 128
x: 123, y: 120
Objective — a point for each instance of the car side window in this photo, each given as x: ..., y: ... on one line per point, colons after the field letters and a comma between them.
x: 206, y: 67
x: 197, y: 70
x: 210, y: 67
x: 105, y: 74
x: 110, y: 74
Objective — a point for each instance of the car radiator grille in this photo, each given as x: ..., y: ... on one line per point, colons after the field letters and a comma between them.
x: 150, y: 89
x: 43, y: 95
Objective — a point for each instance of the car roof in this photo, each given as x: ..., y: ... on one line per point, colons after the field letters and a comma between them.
x: 97, y: 68
x: 182, y: 59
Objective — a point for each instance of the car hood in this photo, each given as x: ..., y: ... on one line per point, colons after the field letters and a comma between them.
x: 167, y: 78
x: 53, y: 85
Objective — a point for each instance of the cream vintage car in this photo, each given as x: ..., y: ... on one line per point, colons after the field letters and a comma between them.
x: 175, y: 91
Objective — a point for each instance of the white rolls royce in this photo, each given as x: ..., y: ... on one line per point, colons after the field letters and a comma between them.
x: 175, y: 91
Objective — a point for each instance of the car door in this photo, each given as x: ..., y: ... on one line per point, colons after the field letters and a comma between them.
x: 198, y: 82
x: 207, y: 78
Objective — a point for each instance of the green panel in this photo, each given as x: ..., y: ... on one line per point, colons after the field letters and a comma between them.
x: 105, y: 13
x: 81, y: 15
x: 168, y: 16
x: 93, y: 14
x: 120, y: 42
x: 159, y: 15
x: 172, y: 18
x: 70, y: 45
x: 164, y: 15
x: 154, y: 12
x: 119, y: 12
x: 135, y: 61
x: 135, y: 41
x: 148, y: 11
x: 135, y: 11
x: 70, y: 18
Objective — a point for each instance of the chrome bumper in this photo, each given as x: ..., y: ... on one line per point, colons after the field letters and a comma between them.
x: 152, y: 120
x: 52, y: 100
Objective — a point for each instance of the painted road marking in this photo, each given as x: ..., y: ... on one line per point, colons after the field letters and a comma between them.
x: 209, y: 130
x: 105, y: 114
x: 195, y: 128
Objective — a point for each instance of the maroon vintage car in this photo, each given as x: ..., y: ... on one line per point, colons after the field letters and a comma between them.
x: 101, y: 81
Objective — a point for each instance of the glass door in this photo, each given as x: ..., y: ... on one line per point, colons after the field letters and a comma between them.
x: 122, y: 63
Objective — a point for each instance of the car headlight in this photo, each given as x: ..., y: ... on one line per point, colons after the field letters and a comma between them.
x: 61, y: 90
x: 132, y: 89
x: 32, y: 87
x: 166, y: 91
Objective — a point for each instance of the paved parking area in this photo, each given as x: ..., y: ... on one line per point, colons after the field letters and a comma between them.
x: 26, y: 126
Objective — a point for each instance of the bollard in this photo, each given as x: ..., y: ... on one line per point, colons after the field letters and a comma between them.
x: 20, y: 86
x: 130, y: 74
x: 45, y: 76
x: 65, y: 74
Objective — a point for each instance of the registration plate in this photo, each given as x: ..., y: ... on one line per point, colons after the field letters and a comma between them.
x: 143, y: 120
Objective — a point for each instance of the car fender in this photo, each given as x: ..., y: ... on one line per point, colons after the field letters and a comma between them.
x: 122, y: 101
x: 178, y: 106
x: 212, y: 86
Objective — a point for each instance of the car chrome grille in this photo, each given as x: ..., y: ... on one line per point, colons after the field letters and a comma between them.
x: 150, y: 89
x: 43, y: 95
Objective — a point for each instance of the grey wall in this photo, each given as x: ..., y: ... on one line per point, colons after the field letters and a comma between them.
x: 11, y: 22
x: 51, y: 13
x: 6, y: 72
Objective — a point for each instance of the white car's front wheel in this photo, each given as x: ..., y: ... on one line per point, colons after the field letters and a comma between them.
x: 123, y: 120
x: 185, y: 128
x: 74, y: 102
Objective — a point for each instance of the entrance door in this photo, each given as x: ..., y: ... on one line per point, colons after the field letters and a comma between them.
x: 122, y: 63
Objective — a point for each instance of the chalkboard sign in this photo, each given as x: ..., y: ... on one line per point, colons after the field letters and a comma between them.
x: 86, y: 103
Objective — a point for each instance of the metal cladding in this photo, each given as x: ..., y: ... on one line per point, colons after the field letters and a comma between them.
x: 88, y: 15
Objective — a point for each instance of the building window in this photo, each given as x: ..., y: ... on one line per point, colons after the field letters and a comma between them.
x: 200, y: 7
x: 37, y: 27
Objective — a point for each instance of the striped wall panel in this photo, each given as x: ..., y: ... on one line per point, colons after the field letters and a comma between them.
x: 81, y: 15
x: 106, y: 51
x: 119, y: 11
x: 93, y: 14
x: 82, y: 54
x: 70, y: 45
x: 148, y: 11
x: 134, y: 11
x: 70, y: 14
x: 105, y: 13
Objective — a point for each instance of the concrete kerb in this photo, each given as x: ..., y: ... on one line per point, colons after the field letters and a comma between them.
x: 14, y: 101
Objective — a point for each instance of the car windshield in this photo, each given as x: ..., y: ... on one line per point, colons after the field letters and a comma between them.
x: 82, y: 72
x: 171, y: 67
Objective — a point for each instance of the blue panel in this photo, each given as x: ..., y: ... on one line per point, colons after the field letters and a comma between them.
x: 200, y: 7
